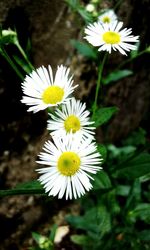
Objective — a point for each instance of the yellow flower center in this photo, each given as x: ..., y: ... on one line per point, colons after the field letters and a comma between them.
x: 52, y: 95
x: 111, y: 37
x: 68, y: 163
x: 106, y: 19
x: 72, y: 124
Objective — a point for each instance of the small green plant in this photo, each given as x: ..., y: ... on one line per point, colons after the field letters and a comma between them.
x: 117, y: 213
x: 44, y: 242
x: 19, y: 62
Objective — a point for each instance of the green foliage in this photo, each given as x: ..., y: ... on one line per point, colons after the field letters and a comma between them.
x: 43, y: 242
x: 22, y: 63
x: 84, y: 49
x: 144, y: 235
x: 31, y: 187
x: 82, y: 240
x: 18, y: 61
x: 113, y: 211
x: 85, y: 15
x: 141, y: 211
x: 131, y: 163
x: 74, y: 4
x: 103, y: 115
x: 7, y: 37
x: 101, y: 181
x: 77, y: 7
x: 134, y: 53
x: 136, y: 138
x: 96, y: 221
x: 102, y: 150
x: 135, y: 167
x: 120, y: 152
x: 116, y: 76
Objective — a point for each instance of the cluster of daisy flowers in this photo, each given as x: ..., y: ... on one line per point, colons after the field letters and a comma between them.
x: 71, y: 157
x: 108, y: 35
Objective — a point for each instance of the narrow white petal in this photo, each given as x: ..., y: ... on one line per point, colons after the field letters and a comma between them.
x: 39, y: 80
x: 74, y: 186
x: 94, y: 35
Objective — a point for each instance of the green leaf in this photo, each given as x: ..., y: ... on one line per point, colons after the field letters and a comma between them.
x: 95, y: 220
x: 102, y: 150
x: 122, y: 190
x: 103, y: 115
x: 85, y: 15
x: 135, y: 167
x: 141, y: 211
x: 116, y: 75
x: 120, y: 152
x: 53, y: 232
x: 73, y: 3
x: 145, y: 178
x: 28, y: 47
x: 76, y: 6
x: 113, y: 205
x: 81, y: 240
x: 144, y: 235
x: 42, y: 241
x: 38, y: 238
x: 134, y: 53
x: 101, y: 181
x: 22, y: 64
x: 136, y: 138
x: 84, y: 49
x: 134, y: 195
x: 32, y: 187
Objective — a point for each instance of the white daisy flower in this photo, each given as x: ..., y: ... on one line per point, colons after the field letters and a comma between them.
x: 41, y: 91
x: 108, y: 16
x: 70, y: 161
x: 109, y: 36
x: 72, y: 118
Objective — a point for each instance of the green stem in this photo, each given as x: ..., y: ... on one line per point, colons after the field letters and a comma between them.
x: 8, y: 59
x: 100, y: 70
x: 117, y: 4
x: 130, y: 59
x: 21, y: 192
x: 24, y: 55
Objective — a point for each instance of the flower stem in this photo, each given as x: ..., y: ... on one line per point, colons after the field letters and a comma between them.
x: 100, y: 70
x: 117, y: 4
x: 24, y: 55
x: 8, y: 59
x: 21, y: 191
